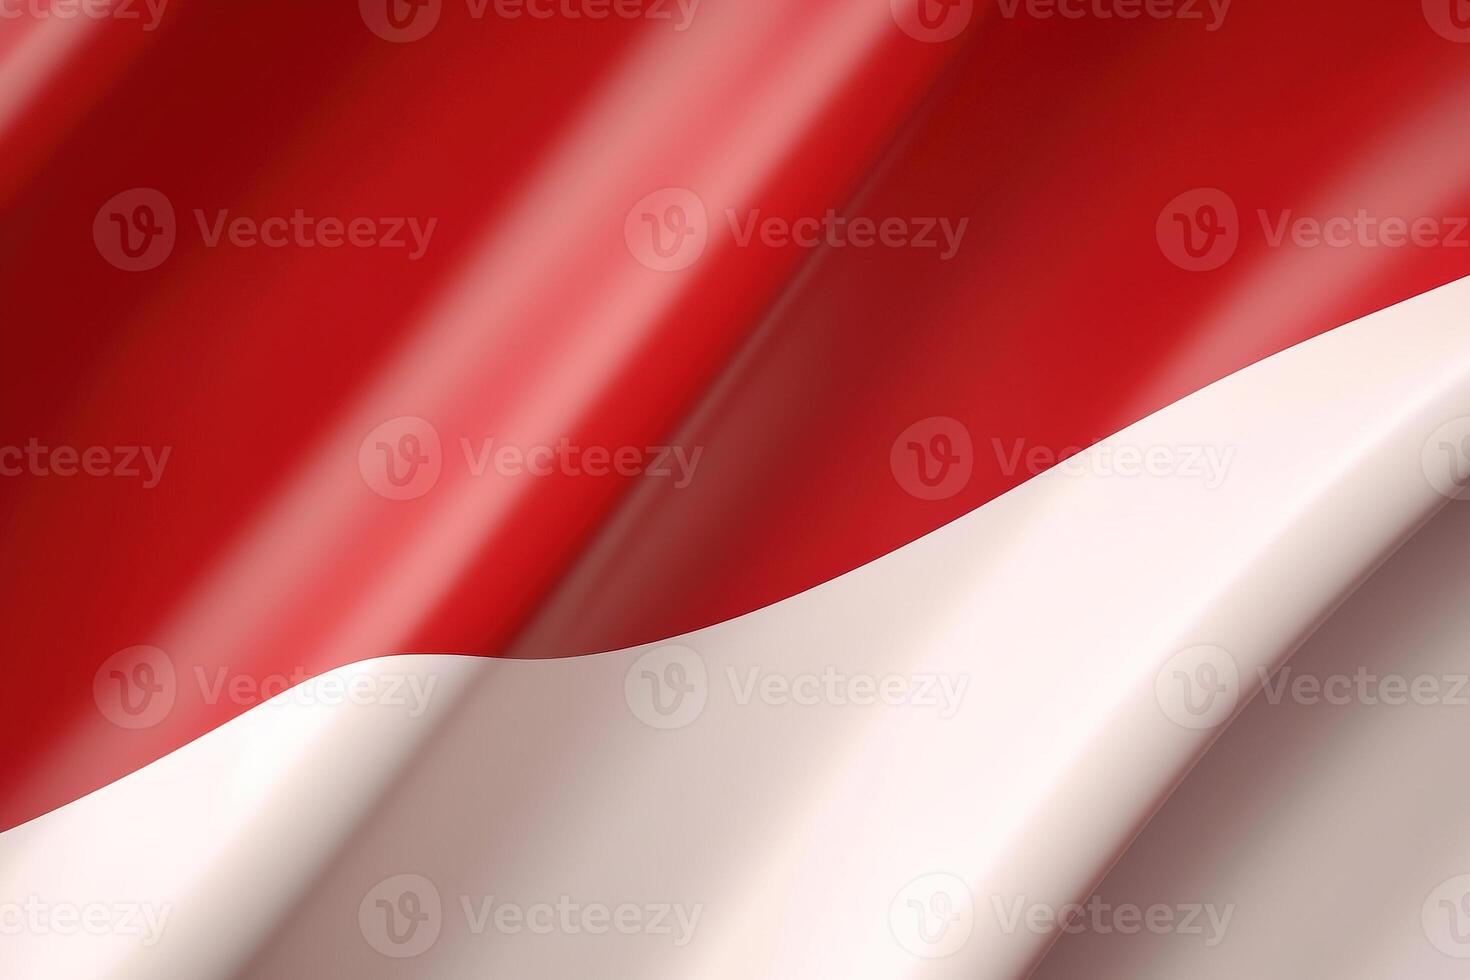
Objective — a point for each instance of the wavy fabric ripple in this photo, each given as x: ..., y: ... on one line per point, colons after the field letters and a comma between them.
x: 995, y: 341
x: 1043, y: 745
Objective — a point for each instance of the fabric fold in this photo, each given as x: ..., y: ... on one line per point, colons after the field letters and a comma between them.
x: 858, y: 780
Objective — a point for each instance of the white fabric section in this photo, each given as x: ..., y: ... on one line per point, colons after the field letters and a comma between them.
x: 1330, y: 821
x: 734, y: 803
x: 192, y: 858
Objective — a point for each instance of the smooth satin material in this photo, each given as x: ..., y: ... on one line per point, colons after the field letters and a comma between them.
x: 1070, y: 150
x: 1037, y: 725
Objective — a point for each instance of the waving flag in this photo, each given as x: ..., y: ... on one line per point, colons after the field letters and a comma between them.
x: 696, y: 489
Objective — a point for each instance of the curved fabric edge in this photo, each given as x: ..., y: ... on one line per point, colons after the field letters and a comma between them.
x: 832, y: 785
x: 1323, y: 834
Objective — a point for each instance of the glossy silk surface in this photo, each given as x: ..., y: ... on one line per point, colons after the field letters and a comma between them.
x: 1140, y: 747
x: 1098, y: 168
